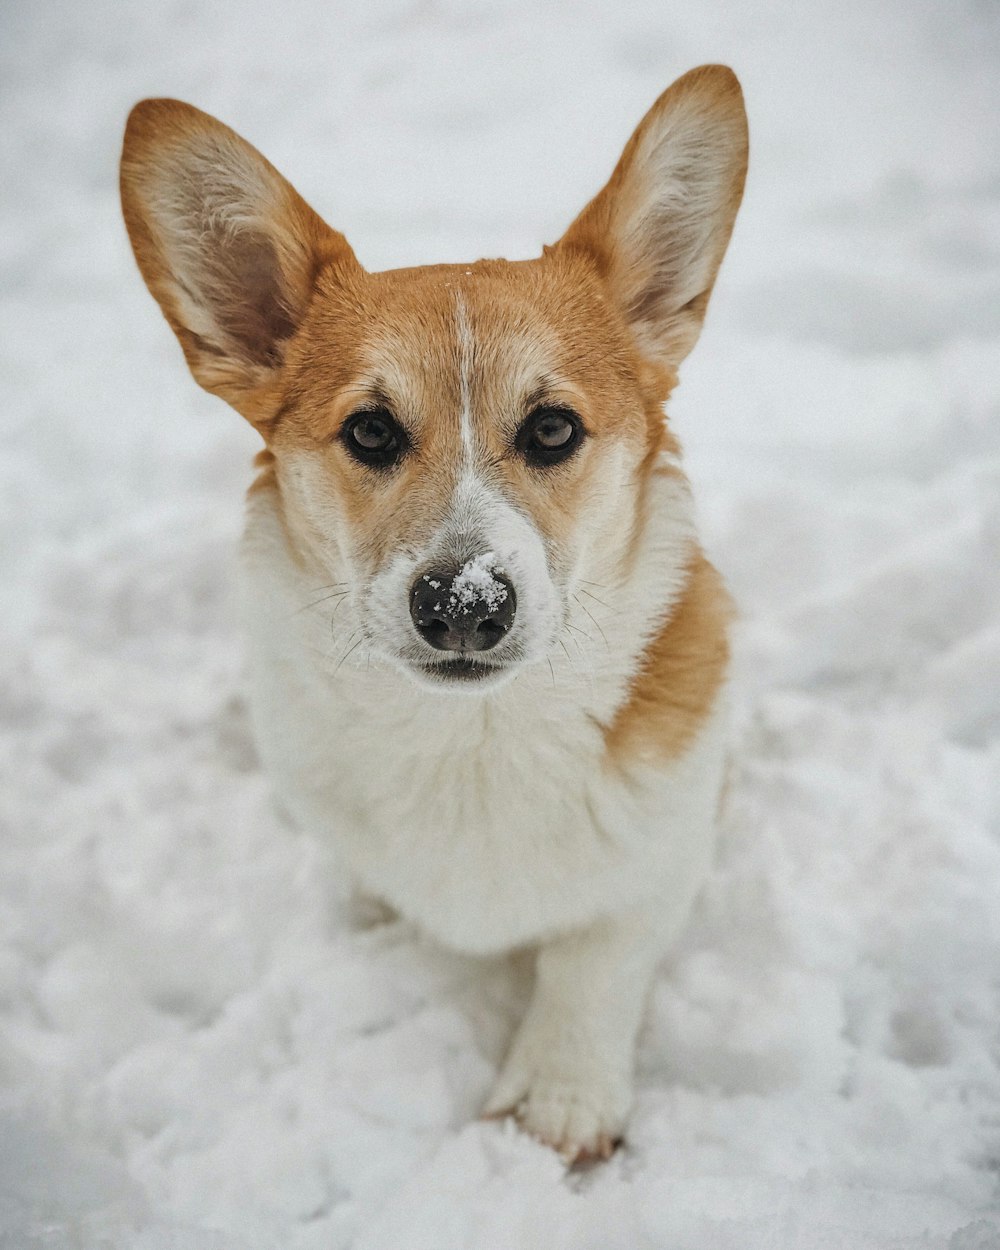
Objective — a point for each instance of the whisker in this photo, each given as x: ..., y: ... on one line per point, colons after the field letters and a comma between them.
x: 596, y: 600
x: 576, y: 629
x: 595, y: 620
x: 337, y: 594
x: 588, y: 669
x: 578, y: 644
x: 553, y: 672
x: 353, y: 647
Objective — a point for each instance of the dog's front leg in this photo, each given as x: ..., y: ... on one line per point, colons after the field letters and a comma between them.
x: 568, y: 1074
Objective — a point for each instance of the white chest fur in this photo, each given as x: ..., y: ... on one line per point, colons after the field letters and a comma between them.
x: 492, y: 821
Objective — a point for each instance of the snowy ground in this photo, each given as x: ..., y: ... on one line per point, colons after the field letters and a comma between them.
x: 198, y: 1053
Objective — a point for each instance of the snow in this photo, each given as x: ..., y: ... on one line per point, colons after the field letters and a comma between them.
x: 199, y: 1050
x: 475, y: 583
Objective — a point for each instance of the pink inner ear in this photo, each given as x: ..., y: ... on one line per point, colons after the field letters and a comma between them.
x: 244, y: 286
x: 645, y: 301
x: 655, y: 294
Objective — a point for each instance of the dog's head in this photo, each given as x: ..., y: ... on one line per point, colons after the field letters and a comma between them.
x: 462, y: 444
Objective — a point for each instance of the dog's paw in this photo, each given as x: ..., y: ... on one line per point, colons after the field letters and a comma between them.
x: 580, y: 1118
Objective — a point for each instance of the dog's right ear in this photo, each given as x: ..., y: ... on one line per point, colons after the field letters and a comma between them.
x: 227, y: 247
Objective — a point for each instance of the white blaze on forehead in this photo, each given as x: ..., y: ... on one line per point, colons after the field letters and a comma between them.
x: 465, y: 355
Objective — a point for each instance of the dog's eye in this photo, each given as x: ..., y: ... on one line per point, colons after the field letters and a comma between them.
x: 374, y: 437
x: 549, y: 435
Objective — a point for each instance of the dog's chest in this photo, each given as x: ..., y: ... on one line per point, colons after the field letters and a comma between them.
x: 488, y: 825
x: 490, y: 821
x: 474, y: 820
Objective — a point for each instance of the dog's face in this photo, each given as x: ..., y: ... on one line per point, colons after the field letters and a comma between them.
x: 459, y: 455
x: 460, y: 444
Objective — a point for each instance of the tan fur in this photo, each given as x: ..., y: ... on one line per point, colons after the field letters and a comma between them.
x: 543, y: 330
x: 681, y: 671
x: 167, y: 143
x: 571, y: 327
x: 266, y: 478
x: 617, y: 225
x: 599, y: 859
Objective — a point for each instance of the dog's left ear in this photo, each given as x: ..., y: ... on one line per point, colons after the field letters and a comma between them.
x: 659, y: 228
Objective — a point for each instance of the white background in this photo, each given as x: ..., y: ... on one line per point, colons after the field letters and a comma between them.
x: 196, y: 1051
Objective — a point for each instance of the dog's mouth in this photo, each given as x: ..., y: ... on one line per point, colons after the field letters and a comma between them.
x: 463, y: 670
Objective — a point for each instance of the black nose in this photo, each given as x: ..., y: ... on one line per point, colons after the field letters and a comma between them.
x: 467, y: 610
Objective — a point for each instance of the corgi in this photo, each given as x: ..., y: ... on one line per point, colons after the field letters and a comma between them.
x: 488, y: 655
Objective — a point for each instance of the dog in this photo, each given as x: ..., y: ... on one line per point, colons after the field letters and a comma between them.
x: 489, y: 657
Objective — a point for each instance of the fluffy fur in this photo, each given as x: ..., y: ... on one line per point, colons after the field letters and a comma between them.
x: 562, y: 795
